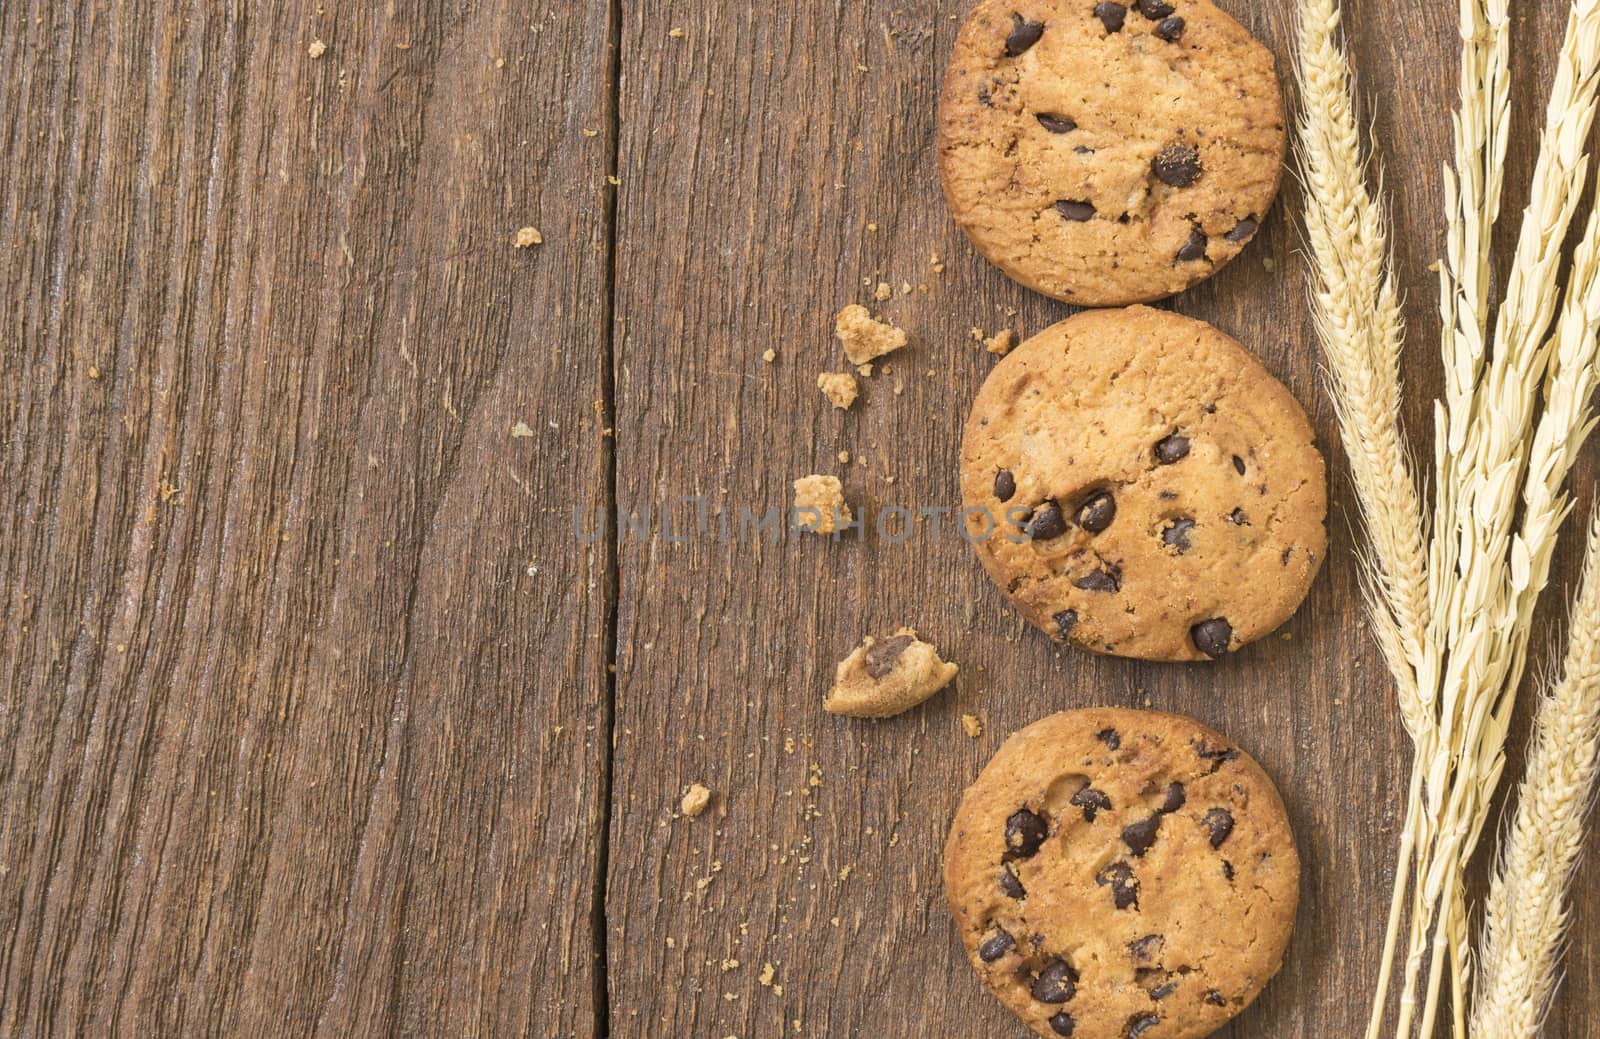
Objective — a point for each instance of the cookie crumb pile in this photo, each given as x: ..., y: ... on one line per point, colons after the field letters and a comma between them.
x: 695, y: 800
x: 865, y: 337
x: 819, y: 504
x: 839, y: 387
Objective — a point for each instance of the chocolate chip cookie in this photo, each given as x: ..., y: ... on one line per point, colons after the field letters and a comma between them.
x: 1139, y: 485
x: 1109, y: 153
x: 1117, y: 874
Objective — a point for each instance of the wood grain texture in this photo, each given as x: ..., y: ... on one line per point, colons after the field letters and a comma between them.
x: 775, y: 168
x: 305, y: 720
x: 302, y: 700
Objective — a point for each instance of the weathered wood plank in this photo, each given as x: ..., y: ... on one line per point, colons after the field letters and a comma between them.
x: 758, y: 151
x: 302, y: 687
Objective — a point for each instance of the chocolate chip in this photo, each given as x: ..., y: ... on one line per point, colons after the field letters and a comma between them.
x: 1194, y: 248
x: 1220, y: 822
x: 1215, y: 998
x: 1005, y: 485
x: 1096, y: 514
x: 1154, y: 9
x: 1238, y: 518
x: 1047, y: 523
x: 1123, y: 884
x: 882, y: 656
x: 995, y: 946
x: 1107, y: 579
x: 1161, y: 992
x: 1066, y: 620
x: 1011, y: 884
x: 1141, y: 835
x: 1227, y: 870
x: 1109, y: 737
x: 1056, y: 123
x: 1173, y: 448
x: 1212, y: 637
x: 1238, y: 465
x: 1139, y: 1024
x: 1057, y: 983
x: 1092, y: 802
x: 1170, y: 29
x: 1075, y: 211
x: 1177, y: 533
x: 1146, y: 947
x: 1176, y: 797
x: 1243, y: 230
x: 1218, y: 758
x: 1024, y: 833
x: 1177, y: 165
x: 1024, y: 34
x: 1111, y: 16
x: 1062, y: 1023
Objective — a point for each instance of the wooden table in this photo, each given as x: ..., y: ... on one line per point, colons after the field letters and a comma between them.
x: 308, y: 719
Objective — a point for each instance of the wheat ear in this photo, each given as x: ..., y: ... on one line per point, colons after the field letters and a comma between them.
x: 1357, y: 314
x: 1498, y: 571
x: 1358, y: 324
x: 1525, y: 917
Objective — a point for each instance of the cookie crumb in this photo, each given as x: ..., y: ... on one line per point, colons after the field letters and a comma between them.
x: 881, y: 678
x: 882, y: 292
x: 821, y: 499
x: 527, y: 238
x: 864, y: 337
x: 317, y: 49
x: 973, y: 724
x: 1000, y: 343
x: 520, y: 430
x: 844, y: 457
x: 695, y: 800
x: 770, y: 356
x: 768, y: 972
x: 865, y: 371
x: 838, y: 387
x: 675, y: 33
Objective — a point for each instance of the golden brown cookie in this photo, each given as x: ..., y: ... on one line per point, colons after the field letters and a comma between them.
x: 1108, y: 154
x: 1118, y: 874
x: 1139, y: 485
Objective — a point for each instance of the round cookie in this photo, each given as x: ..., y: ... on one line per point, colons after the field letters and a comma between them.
x: 1117, y: 874
x: 1139, y: 485
x: 1107, y: 153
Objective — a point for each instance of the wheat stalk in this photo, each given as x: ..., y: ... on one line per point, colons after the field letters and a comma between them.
x: 1498, y: 573
x: 1451, y: 604
x: 1525, y: 917
x: 1358, y: 322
